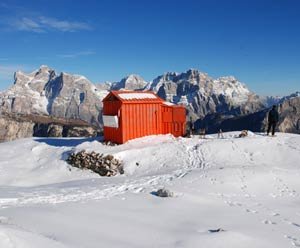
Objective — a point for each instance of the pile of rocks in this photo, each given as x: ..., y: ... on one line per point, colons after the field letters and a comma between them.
x: 109, y: 143
x: 103, y: 165
x: 163, y: 193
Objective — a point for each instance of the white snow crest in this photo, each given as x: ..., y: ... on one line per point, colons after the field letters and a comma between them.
x: 131, y: 96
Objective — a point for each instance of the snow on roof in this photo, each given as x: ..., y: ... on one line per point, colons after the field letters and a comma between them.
x: 130, y: 96
x: 169, y: 103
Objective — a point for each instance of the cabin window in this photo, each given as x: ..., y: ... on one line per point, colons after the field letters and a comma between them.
x: 112, y: 98
x: 111, y: 121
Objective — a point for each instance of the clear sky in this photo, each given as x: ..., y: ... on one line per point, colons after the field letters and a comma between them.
x: 257, y: 41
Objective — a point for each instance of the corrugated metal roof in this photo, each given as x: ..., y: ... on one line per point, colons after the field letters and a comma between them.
x: 135, y: 96
x: 169, y: 103
x: 139, y: 95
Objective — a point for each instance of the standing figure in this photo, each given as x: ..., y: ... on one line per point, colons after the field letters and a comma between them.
x: 192, y: 127
x: 220, y: 134
x: 202, y: 133
x: 272, y: 120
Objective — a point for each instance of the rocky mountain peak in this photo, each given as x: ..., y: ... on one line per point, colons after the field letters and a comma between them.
x: 45, y: 92
x: 194, y: 73
x: 74, y: 96
x: 43, y: 74
x: 268, y: 101
x: 44, y: 71
x: 131, y: 82
x: 168, y: 76
x: 296, y: 94
x: 45, y: 68
x: 228, y: 79
x: 133, y: 79
x: 21, y: 78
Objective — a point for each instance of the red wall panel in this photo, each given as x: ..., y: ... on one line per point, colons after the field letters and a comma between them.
x: 142, y: 118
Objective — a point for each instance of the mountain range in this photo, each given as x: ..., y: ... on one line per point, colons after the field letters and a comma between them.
x: 268, y: 101
x: 209, y: 102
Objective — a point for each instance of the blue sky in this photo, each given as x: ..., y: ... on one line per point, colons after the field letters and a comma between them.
x: 255, y: 41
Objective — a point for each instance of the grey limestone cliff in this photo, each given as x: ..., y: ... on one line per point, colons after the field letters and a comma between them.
x: 203, y: 95
x: 47, y: 93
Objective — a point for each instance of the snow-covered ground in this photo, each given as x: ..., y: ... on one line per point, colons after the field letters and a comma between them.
x: 249, y: 187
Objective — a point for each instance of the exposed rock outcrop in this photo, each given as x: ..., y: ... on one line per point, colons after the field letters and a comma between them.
x: 44, y: 92
x: 289, y: 112
x: 131, y: 82
x: 103, y: 165
x: 73, y: 96
x: 268, y: 101
x: 203, y: 95
x: 12, y: 129
x: 163, y: 193
x: 14, y: 126
x: 289, y: 120
x: 213, y: 103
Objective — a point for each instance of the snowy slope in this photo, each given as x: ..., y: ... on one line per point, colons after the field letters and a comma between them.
x: 249, y: 187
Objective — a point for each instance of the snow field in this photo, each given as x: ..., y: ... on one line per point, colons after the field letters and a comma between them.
x: 249, y: 187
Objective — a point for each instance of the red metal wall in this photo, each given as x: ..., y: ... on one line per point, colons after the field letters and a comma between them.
x: 173, y: 120
x: 140, y: 119
x: 111, y: 133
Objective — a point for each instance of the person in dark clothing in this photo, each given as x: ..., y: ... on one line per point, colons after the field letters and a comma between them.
x: 192, y: 127
x: 272, y: 120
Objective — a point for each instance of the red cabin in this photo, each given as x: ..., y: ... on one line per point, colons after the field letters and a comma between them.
x: 132, y: 114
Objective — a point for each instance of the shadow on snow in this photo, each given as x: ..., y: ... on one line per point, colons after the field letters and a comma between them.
x: 67, y: 142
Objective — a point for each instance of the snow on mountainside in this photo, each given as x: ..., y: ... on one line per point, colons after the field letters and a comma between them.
x: 73, y: 96
x: 226, y: 86
x: 232, y: 88
x: 131, y: 82
x: 45, y: 92
x: 230, y: 192
x: 204, y: 95
x: 268, y: 101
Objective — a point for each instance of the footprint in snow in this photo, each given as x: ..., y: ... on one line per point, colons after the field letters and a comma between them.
x: 294, y: 241
x: 291, y: 223
x: 4, y: 220
x: 243, y: 187
x: 274, y: 214
x: 233, y: 204
x: 251, y: 211
x: 269, y: 222
x: 138, y: 190
x: 275, y: 195
x: 294, y: 224
x: 213, y: 180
